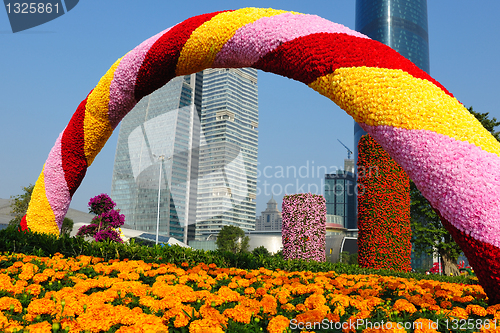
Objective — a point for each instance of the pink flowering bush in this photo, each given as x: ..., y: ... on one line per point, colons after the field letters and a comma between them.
x: 304, y: 226
x: 101, y: 203
x: 104, y: 226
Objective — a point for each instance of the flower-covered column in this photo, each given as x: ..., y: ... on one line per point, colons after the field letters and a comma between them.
x: 304, y: 226
x: 383, y: 209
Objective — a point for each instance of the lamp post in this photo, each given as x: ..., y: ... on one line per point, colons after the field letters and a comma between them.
x: 161, y: 158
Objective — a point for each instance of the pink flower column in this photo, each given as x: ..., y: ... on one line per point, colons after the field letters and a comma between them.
x: 304, y: 226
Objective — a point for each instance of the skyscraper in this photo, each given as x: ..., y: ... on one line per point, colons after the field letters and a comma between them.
x: 156, y: 161
x: 400, y: 24
x: 228, y: 158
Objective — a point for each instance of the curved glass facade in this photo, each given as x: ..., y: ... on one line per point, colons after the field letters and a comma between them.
x: 157, y: 156
x: 400, y: 24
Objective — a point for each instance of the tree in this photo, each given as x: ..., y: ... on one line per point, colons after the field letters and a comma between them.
x: 19, y: 204
x: 428, y: 234
x: 487, y: 123
x: 349, y: 258
x: 261, y: 251
x: 232, y: 239
x: 67, y: 226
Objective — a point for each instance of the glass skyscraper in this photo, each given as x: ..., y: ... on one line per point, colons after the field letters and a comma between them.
x: 157, y: 160
x: 228, y: 156
x: 400, y: 24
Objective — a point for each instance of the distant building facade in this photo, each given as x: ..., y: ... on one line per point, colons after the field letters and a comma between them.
x: 228, y: 158
x: 340, y: 199
x: 270, y: 219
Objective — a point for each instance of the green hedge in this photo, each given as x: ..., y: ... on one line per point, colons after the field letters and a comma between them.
x: 14, y: 241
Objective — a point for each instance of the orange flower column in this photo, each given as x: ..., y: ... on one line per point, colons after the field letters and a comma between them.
x: 383, y: 209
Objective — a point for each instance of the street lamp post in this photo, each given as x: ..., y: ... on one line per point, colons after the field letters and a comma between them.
x: 161, y: 158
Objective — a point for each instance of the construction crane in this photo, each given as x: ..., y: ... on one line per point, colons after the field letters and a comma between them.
x: 349, y: 152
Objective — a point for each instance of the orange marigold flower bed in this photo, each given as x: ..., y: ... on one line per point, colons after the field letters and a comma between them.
x: 89, y: 294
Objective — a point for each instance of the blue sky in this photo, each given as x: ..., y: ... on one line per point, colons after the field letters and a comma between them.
x: 46, y: 71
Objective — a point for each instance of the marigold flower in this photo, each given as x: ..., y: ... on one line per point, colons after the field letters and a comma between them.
x: 464, y: 299
x: 260, y: 291
x: 278, y: 324
x: 9, y: 326
x: 229, y: 295
x: 334, y: 318
x: 205, y: 325
x: 72, y: 324
x: 249, y: 291
x: 460, y: 313
x: 476, y: 309
x: 179, y: 313
x: 40, y: 277
x: 43, y: 327
x: 446, y: 304
x: 492, y: 309
x: 404, y: 305
x: 41, y: 306
x: 18, y: 264
x: 208, y: 312
x: 269, y: 304
x: 315, y: 301
x: 300, y: 307
x: 311, y: 316
x: 240, y: 313
x: 288, y: 307
x: 129, y: 329
x: 9, y: 303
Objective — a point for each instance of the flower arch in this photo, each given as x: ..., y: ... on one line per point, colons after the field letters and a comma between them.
x: 442, y: 147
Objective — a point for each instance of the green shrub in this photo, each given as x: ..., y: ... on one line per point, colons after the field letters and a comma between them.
x: 13, y: 240
x: 261, y: 251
